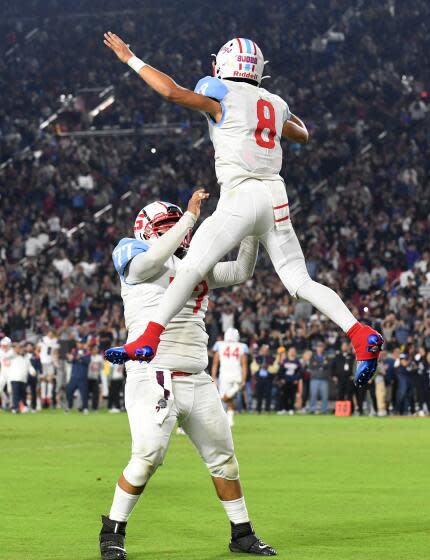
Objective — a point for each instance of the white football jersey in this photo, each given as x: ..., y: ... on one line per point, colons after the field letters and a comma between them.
x: 183, y: 345
x: 96, y: 367
x: 247, y: 139
x: 230, y: 356
x: 47, y: 347
x: 6, y: 358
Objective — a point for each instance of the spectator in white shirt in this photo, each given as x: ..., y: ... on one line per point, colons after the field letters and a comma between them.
x: 6, y: 355
x: 20, y: 369
x: 32, y: 247
x: 63, y: 265
x: 48, y: 360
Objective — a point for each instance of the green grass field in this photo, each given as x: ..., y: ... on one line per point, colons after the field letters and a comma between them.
x: 316, y: 488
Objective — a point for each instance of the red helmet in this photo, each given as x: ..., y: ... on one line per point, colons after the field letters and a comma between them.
x: 155, y: 217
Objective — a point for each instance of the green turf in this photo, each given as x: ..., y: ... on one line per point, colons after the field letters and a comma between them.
x: 316, y: 487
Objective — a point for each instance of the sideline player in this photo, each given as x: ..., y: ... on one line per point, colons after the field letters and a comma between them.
x: 174, y: 386
x: 48, y: 358
x: 246, y: 124
x: 7, y: 353
x: 231, y: 358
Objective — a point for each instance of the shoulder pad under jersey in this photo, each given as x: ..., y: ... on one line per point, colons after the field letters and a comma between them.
x: 126, y: 249
x: 211, y: 87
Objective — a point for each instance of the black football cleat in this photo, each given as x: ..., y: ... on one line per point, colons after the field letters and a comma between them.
x: 112, y: 540
x: 244, y: 539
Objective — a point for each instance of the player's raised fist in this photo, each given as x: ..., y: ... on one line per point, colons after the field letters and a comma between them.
x: 118, y: 46
x: 196, y: 200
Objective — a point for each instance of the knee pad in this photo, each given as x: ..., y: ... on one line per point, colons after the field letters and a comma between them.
x: 140, y: 469
x: 228, y: 470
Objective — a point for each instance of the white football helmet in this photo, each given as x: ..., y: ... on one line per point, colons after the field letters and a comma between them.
x: 231, y: 335
x: 240, y: 58
x: 156, y: 216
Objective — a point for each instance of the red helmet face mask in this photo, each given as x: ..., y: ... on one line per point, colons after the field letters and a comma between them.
x: 157, y: 218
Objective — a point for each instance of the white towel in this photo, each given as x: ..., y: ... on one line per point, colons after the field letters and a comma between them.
x: 162, y: 393
x: 280, y: 205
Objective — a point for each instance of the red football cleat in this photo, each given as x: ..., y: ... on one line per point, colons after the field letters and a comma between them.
x: 367, y: 344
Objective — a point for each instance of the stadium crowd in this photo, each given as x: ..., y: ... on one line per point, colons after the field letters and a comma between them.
x: 359, y: 191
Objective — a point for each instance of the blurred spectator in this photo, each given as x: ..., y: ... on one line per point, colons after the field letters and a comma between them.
x: 342, y: 370
x: 426, y: 382
x: 381, y: 386
x: 287, y: 381
x: 403, y: 372
x: 33, y: 378
x: 421, y: 380
x: 116, y: 383
x: 304, y: 390
x: 264, y: 378
x: 320, y: 375
x: 362, y: 394
x: 95, y: 372
x: 49, y: 360
x: 66, y: 343
x: 7, y: 353
x: 80, y: 359
x: 19, y: 370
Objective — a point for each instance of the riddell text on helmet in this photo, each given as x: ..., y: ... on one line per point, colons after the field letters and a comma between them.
x: 248, y: 75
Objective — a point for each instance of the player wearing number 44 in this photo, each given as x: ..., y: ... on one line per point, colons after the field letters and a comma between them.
x: 246, y: 124
x: 230, y: 356
x: 174, y: 386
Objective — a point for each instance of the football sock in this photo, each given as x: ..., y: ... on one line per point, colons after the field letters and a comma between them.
x: 236, y: 510
x: 328, y: 302
x: 122, y: 505
x: 50, y: 390
x: 151, y: 337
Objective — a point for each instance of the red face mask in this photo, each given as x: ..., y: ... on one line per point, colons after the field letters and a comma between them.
x: 160, y: 224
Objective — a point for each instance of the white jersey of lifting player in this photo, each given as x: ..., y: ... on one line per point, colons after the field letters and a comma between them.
x: 183, y: 345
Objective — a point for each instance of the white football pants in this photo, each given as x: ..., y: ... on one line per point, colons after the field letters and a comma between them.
x: 198, y: 409
x: 248, y: 210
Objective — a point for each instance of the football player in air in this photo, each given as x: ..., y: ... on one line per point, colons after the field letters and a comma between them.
x: 174, y: 387
x: 246, y: 125
x: 230, y: 356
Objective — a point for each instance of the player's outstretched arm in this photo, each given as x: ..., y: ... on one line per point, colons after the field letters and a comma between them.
x: 146, y: 265
x: 294, y: 129
x: 236, y: 272
x: 162, y: 83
